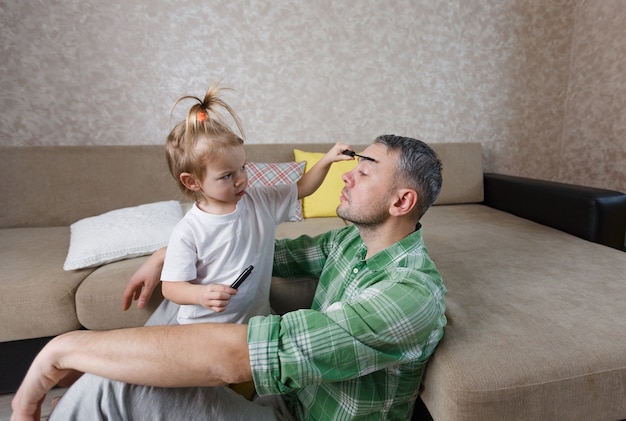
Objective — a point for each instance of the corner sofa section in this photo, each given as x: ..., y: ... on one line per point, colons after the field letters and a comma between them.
x: 535, y: 312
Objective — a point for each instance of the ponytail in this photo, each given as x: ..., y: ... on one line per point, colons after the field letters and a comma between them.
x: 201, y: 136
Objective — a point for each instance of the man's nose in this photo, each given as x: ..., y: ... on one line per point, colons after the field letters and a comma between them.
x: 348, y: 178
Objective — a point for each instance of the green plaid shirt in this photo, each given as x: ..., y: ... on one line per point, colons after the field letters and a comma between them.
x: 361, y: 350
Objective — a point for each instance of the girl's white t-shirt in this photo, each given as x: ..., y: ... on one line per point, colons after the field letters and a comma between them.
x: 206, y: 249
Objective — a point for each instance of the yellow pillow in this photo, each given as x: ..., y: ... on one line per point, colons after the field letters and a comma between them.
x: 325, y: 200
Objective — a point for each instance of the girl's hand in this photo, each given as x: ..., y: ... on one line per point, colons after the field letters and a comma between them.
x: 216, y: 297
x: 143, y: 282
x: 336, y: 154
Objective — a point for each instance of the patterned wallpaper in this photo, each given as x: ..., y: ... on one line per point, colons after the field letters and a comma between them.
x: 593, y: 143
x: 540, y: 83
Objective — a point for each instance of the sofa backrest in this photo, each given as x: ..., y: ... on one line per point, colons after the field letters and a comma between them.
x: 58, y: 185
x: 462, y: 173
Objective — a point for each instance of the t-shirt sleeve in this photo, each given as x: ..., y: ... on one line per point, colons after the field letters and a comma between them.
x: 180, y: 257
x: 279, y: 200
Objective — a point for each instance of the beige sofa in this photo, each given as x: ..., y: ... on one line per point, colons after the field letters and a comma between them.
x: 536, y: 315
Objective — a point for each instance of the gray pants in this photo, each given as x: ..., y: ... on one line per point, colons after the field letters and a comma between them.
x: 96, y: 398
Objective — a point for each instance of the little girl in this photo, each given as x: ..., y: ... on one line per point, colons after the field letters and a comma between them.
x: 230, y: 227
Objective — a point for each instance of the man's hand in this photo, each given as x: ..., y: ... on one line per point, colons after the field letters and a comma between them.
x: 218, y: 355
x: 42, y: 376
x: 25, y: 411
x: 143, y: 282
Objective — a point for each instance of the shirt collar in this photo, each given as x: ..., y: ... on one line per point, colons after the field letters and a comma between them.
x: 387, y: 256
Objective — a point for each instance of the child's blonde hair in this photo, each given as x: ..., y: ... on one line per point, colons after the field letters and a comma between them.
x: 201, y: 137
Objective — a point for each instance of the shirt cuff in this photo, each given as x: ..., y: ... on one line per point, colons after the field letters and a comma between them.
x: 263, y: 335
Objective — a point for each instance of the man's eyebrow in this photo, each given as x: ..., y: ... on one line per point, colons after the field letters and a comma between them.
x: 352, y: 153
x: 366, y: 158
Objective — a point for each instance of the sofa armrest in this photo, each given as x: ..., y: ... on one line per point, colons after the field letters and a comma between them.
x: 590, y: 213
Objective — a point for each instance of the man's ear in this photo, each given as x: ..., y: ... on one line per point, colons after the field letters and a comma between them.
x: 190, y: 181
x: 405, y: 202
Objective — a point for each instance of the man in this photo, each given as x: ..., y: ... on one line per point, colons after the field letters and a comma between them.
x: 358, y: 353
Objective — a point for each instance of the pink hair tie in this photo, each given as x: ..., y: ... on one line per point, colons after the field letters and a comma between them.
x: 201, y: 116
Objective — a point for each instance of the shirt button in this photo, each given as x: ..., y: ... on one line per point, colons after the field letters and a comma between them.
x: 355, y: 270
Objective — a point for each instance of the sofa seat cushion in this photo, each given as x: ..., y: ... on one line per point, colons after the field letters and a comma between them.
x: 36, y: 294
x: 536, y: 326
x: 99, y: 297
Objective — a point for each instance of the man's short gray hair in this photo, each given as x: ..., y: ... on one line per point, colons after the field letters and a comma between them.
x: 419, y: 167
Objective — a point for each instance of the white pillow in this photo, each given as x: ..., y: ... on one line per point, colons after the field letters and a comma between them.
x: 121, y: 234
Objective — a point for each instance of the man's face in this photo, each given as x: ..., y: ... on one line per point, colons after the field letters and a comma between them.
x: 367, y: 195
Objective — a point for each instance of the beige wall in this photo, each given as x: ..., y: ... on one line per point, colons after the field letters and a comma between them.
x: 592, y: 146
x: 541, y: 83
